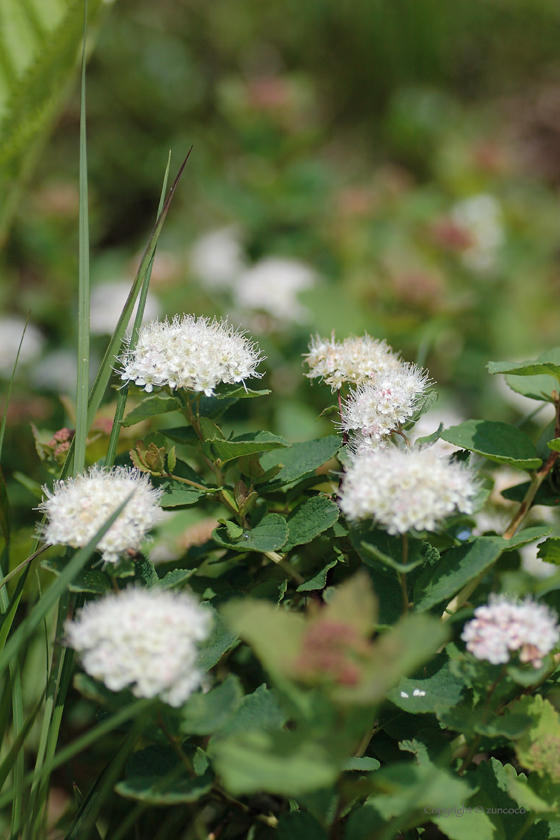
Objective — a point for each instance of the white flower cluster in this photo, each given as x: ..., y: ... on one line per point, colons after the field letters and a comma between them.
x: 374, y: 409
x: 78, y: 507
x: 404, y: 489
x: 145, y: 639
x: 192, y: 353
x: 506, y: 626
x: 356, y: 359
x: 480, y: 216
x: 272, y: 285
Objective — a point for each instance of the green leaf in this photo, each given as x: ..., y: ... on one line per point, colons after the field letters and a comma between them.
x: 539, y: 748
x: 259, y: 710
x: 301, y: 458
x: 534, y: 387
x: 220, y: 640
x: 549, y: 551
x: 455, y: 569
x: 470, y: 826
x: 318, y: 581
x: 363, y: 822
x: 39, y: 45
x: 239, y: 391
x: 299, y: 825
x: 374, y: 544
x: 269, y: 535
x: 548, y: 363
x: 150, y: 406
x: 409, y: 788
x: 554, y: 444
x: 247, y: 444
x: 496, y: 441
x: 205, y: 713
x: 435, y: 685
x: 428, y: 440
x: 494, y: 797
x: 175, y: 578
x: 85, y: 581
x: 176, y: 493
x: 363, y: 763
x: 156, y: 776
x: 527, y: 536
x: 310, y: 518
x: 181, y: 434
x: 278, y: 762
x: 210, y: 430
x: 546, y: 495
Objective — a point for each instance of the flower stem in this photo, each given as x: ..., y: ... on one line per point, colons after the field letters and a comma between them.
x: 402, y: 575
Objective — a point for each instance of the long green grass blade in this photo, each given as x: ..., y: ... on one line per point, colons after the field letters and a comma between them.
x: 53, y: 593
x: 123, y: 393
x: 9, y: 760
x: 5, y: 415
x: 18, y: 765
x: 104, y: 374
x: 83, y: 277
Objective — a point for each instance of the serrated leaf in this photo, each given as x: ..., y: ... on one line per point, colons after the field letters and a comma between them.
x: 156, y: 776
x: 454, y: 570
x: 472, y: 825
x: 247, y: 444
x: 539, y: 748
x: 175, y: 578
x: 318, y: 581
x: 549, y: 551
x: 181, y: 434
x: 259, y: 710
x: 527, y: 536
x: 496, y: 441
x: 547, y: 363
x: 269, y: 535
x: 220, y: 640
x: 238, y: 391
x: 91, y: 581
x: 301, y: 458
x: 493, y: 797
x: 363, y: 763
x: 406, y: 788
x: 203, y: 714
x: 177, y: 493
x: 309, y: 519
x: 150, y: 407
x: 436, y: 685
x: 210, y: 430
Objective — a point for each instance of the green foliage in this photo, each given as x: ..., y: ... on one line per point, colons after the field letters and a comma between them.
x: 496, y: 441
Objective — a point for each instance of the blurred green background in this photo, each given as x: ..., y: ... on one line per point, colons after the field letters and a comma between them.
x: 389, y: 166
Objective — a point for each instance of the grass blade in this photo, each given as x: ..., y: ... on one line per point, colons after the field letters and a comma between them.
x: 82, y: 391
x: 5, y: 415
x: 123, y: 393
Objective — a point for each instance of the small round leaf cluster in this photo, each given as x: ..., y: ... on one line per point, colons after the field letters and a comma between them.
x: 78, y: 507
x: 507, y: 626
x: 404, y: 489
x: 144, y: 639
x: 352, y: 360
x: 375, y: 409
x: 192, y: 353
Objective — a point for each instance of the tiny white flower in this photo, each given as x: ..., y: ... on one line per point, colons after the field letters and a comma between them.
x: 376, y: 408
x: 404, y: 489
x: 418, y: 693
x: 78, y: 507
x: 506, y: 626
x: 272, y: 285
x: 354, y: 360
x: 192, y: 353
x: 404, y: 694
x: 142, y: 639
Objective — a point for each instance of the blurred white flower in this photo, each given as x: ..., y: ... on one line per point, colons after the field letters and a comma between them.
x: 192, y: 353
x: 78, y: 507
x: 505, y: 626
x: 480, y: 216
x: 107, y: 303
x: 57, y: 371
x: 217, y: 258
x: 272, y: 285
x: 354, y: 360
x: 143, y: 639
x: 404, y: 489
x: 534, y: 565
x: 377, y: 408
x: 11, y: 331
